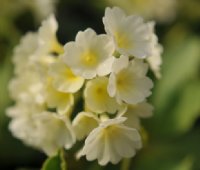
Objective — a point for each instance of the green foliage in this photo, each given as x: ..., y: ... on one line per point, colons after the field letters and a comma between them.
x: 5, y: 73
x: 185, y: 164
x: 174, y: 141
x: 188, y: 108
x: 176, y: 96
x: 179, y: 66
x: 56, y: 162
x: 171, y: 153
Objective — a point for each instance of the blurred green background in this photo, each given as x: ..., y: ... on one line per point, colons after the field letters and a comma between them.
x: 173, y: 132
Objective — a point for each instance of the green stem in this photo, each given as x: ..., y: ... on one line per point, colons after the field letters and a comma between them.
x: 125, y: 165
x: 63, y: 160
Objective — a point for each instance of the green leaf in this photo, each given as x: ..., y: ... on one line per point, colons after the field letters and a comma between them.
x: 5, y: 74
x: 185, y: 164
x: 188, y: 108
x: 180, y: 153
x: 180, y: 64
x: 56, y: 162
x: 174, y: 111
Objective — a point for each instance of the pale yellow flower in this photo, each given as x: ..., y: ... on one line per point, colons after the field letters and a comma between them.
x: 129, y: 83
x: 64, y: 80
x: 47, y: 36
x: 155, y: 59
x: 135, y: 112
x: 45, y: 131
x: 29, y: 88
x: 90, y: 54
x: 84, y: 123
x: 129, y: 33
x: 34, y: 51
x: 24, y: 109
x: 47, y: 46
x: 63, y: 102
x: 23, y: 52
x: 97, y: 98
x: 111, y: 141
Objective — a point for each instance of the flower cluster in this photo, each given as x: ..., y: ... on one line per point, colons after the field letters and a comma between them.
x: 107, y: 72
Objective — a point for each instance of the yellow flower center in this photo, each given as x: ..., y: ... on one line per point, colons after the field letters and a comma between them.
x: 113, y: 131
x: 99, y: 90
x: 122, y: 40
x: 123, y: 80
x: 89, y: 58
x: 70, y: 75
x: 120, y: 82
x: 101, y: 93
x: 57, y: 47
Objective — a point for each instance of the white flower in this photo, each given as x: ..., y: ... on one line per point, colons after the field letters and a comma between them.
x: 128, y: 82
x: 129, y: 33
x: 90, y: 54
x: 84, y: 123
x: 22, y: 53
x: 63, y: 102
x: 111, y: 141
x: 24, y: 109
x: 97, y: 98
x: 47, y: 45
x: 45, y: 131
x: 29, y: 88
x: 47, y: 36
x: 64, y: 79
x: 135, y: 112
x: 34, y: 51
x: 155, y: 59
x: 42, y: 63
